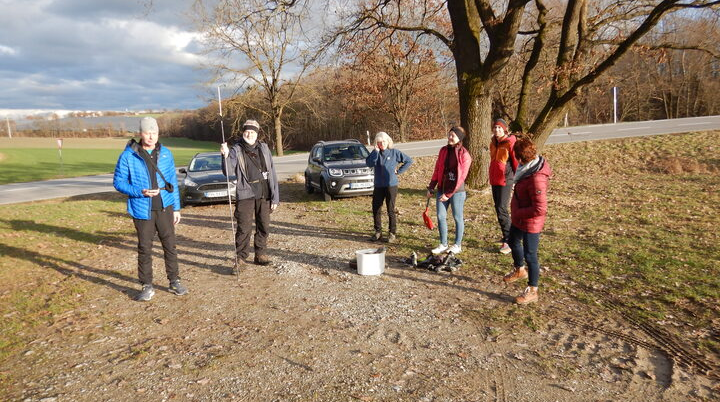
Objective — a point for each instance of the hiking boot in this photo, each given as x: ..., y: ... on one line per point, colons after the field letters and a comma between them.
x: 391, y: 238
x: 529, y: 295
x: 439, y: 249
x: 178, y: 288
x: 146, y: 293
x: 515, y: 274
x: 262, y: 259
x: 455, y: 249
x: 505, y: 249
x: 376, y: 237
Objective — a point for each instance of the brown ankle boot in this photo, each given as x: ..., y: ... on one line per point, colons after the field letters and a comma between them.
x: 262, y: 259
x: 515, y: 274
x: 529, y: 295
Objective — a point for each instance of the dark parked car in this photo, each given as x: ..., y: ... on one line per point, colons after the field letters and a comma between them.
x: 337, y: 169
x: 204, y: 180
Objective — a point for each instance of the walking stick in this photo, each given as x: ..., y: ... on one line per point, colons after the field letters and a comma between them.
x: 227, y: 181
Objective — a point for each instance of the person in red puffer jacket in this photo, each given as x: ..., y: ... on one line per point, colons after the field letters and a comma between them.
x: 528, y: 209
x: 502, y: 170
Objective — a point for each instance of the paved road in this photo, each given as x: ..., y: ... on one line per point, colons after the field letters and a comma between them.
x: 288, y: 166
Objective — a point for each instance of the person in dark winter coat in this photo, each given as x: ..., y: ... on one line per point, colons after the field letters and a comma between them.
x: 451, y: 170
x: 388, y: 163
x: 257, y: 191
x: 502, y: 169
x: 528, y: 209
x: 145, y: 172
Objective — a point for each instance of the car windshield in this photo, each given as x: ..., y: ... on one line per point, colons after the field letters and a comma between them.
x: 205, y: 163
x: 344, y: 152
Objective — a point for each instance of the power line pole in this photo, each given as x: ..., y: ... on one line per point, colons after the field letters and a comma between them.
x: 7, y: 120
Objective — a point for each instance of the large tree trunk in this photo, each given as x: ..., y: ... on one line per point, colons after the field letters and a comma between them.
x: 476, y: 114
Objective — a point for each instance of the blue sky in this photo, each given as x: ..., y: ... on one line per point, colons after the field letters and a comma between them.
x: 99, y: 55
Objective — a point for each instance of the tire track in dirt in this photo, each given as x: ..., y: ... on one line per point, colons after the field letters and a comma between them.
x: 491, y: 379
x: 667, y: 343
x: 662, y: 341
x: 501, y: 387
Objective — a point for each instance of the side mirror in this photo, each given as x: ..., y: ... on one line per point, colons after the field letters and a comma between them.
x: 316, y: 159
x: 182, y: 170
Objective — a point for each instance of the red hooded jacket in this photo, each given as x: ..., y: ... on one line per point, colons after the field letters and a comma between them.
x: 464, y: 160
x: 501, y: 152
x: 528, y: 207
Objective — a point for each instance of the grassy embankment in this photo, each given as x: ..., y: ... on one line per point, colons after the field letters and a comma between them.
x: 631, y: 221
x: 31, y: 159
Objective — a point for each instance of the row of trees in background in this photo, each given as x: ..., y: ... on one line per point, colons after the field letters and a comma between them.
x: 534, y: 62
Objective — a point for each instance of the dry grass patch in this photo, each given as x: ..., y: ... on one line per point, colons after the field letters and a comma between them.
x: 680, y: 165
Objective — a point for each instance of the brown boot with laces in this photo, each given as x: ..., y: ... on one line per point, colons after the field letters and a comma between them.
x: 515, y: 274
x: 529, y: 295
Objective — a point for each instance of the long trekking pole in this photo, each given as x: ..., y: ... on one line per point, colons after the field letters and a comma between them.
x: 227, y: 181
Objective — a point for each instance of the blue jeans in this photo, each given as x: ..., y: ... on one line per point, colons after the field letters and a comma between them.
x: 457, y: 201
x: 524, y: 248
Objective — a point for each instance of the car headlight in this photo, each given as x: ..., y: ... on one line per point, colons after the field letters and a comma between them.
x: 335, y: 172
x: 189, y: 183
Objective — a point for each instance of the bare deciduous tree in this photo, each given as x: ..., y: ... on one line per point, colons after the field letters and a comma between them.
x: 263, y: 45
x: 395, y: 74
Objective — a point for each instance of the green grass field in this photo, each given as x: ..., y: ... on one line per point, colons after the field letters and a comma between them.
x: 32, y: 159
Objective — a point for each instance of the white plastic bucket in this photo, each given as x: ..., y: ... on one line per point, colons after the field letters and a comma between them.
x: 370, y: 261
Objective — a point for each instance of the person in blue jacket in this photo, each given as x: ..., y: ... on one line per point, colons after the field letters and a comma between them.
x: 388, y: 163
x: 145, y: 172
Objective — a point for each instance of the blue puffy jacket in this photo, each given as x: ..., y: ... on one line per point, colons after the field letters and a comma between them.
x: 386, y: 165
x: 132, y: 177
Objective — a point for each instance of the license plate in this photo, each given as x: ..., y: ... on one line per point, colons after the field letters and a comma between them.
x: 360, y: 185
x: 214, y: 194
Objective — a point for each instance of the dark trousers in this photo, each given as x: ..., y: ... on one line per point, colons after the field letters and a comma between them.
x: 388, y: 195
x: 524, y: 248
x: 160, y: 222
x: 501, y: 199
x: 247, y: 211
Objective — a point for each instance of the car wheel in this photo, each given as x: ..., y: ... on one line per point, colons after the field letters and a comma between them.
x: 325, y: 192
x: 308, y: 186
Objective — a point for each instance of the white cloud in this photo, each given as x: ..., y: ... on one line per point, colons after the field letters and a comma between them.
x: 7, y: 50
x: 85, y: 54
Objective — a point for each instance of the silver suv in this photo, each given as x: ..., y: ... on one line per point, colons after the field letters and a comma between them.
x: 337, y: 169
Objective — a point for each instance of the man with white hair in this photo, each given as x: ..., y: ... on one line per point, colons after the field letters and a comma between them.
x: 257, y: 192
x: 388, y: 163
x: 145, y: 172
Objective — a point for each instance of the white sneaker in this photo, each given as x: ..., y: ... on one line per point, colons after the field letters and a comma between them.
x: 439, y: 249
x: 455, y: 249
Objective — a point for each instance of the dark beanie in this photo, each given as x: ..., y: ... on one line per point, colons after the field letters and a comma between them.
x: 459, y: 132
x: 251, y: 125
x: 502, y: 123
